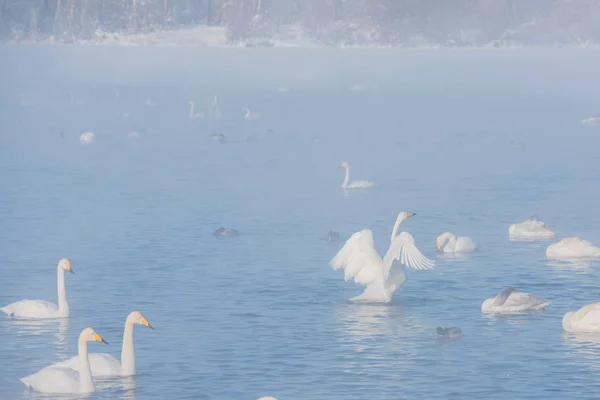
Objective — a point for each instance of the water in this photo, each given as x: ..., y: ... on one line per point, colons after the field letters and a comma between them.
x: 470, y: 141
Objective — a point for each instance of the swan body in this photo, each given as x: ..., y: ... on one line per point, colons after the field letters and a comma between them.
x: 593, y: 121
x: 194, y: 115
x: 531, y: 229
x: 586, y: 319
x: 354, y: 184
x: 449, y: 243
x: 103, y: 364
x: 572, y: 247
x: 40, y: 309
x: 511, y: 301
x: 87, y: 137
x: 382, y: 277
x: 249, y: 115
x: 67, y: 380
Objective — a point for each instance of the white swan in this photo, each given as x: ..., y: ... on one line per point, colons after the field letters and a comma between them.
x: 353, y: 184
x: 511, y: 301
x: 586, y: 319
x: 449, y: 243
x: 530, y: 229
x: 572, y: 247
x: 593, y: 121
x: 87, y: 137
x: 249, y: 115
x: 39, y: 309
x: 382, y: 277
x: 67, y: 380
x: 192, y: 114
x: 104, y: 364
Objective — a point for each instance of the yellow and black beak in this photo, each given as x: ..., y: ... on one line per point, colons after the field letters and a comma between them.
x: 410, y: 214
x: 146, y: 323
x: 70, y: 269
x: 99, y: 338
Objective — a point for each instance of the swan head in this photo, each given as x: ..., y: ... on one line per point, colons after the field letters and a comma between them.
x: 443, y: 239
x: 89, y: 335
x: 138, y: 318
x: 404, y: 215
x: 343, y: 165
x: 66, y: 265
x: 190, y: 102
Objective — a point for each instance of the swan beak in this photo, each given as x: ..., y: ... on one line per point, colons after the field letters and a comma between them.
x: 99, y: 338
x: 146, y: 323
x: 410, y: 214
x: 438, y: 247
x: 69, y: 268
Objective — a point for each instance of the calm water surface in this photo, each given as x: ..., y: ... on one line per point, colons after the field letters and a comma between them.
x: 469, y: 145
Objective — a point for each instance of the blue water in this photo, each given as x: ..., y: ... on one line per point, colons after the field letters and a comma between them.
x: 469, y: 141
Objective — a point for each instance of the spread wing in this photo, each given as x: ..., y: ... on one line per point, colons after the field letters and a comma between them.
x: 403, y: 250
x: 359, y: 259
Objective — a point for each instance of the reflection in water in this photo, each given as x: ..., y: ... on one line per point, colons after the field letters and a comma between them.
x: 56, y: 327
x: 128, y: 385
x: 580, y: 265
x: 585, y: 349
x: 454, y: 256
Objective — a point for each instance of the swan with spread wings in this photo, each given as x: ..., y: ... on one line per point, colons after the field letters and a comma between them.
x: 382, y: 277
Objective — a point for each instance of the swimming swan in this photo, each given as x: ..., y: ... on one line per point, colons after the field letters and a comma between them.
x: 104, y: 364
x: 67, y: 380
x: 586, y: 319
x: 354, y: 184
x: 382, y: 277
x: 572, y: 247
x: 511, y: 301
x: 192, y: 114
x: 87, y: 137
x: 39, y: 309
x: 449, y: 243
x: 530, y: 229
x: 592, y: 121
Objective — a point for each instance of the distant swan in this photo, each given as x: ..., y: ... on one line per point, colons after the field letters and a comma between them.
x: 40, y: 309
x: 382, y: 277
x: 192, y: 114
x: 585, y: 320
x: 593, y: 121
x: 511, y: 301
x: 249, y: 115
x: 87, y: 137
x: 530, y: 229
x: 225, y: 232
x: 449, y: 243
x: 218, y: 138
x: 103, y: 364
x: 67, y: 380
x: 133, y: 135
x: 572, y: 247
x: 354, y: 184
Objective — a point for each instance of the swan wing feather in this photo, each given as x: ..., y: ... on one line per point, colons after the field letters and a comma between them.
x: 358, y: 258
x: 403, y: 249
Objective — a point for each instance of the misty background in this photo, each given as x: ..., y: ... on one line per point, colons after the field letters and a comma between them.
x: 405, y: 23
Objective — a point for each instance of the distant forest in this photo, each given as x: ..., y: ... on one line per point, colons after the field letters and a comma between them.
x: 328, y: 22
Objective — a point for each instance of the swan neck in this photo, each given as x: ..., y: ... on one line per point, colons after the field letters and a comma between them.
x: 86, y: 383
x: 191, y: 108
x: 127, y: 352
x: 63, y: 306
x: 347, y: 178
x: 395, y: 230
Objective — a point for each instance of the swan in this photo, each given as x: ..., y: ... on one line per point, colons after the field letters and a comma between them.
x: 87, y: 137
x: 449, y: 243
x: 382, y: 277
x: 593, y: 121
x: 103, y: 364
x: 133, y: 135
x: 353, y: 184
x: 193, y: 115
x: 214, y: 110
x: 586, y: 319
x: 221, y: 232
x: 532, y: 228
x: 511, y: 301
x: 39, y: 309
x: 250, y: 115
x: 572, y: 247
x: 67, y: 380
x: 218, y: 138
